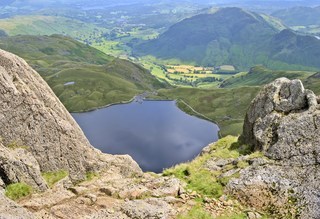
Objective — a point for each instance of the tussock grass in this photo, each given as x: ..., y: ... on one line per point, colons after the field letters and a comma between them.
x: 203, y: 181
x: 196, y: 212
x: 17, y: 191
x: 54, y: 177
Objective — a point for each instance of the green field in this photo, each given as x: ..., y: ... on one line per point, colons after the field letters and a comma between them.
x: 226, y: 107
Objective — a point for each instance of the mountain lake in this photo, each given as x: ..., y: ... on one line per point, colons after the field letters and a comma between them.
x: 157, y: 134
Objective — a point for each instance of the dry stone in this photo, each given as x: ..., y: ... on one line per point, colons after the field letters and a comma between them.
x: 283, y: 121
x: 10, y: 210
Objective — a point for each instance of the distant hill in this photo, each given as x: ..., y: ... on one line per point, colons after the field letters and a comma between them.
x: 81, y: 76
x: 236, y: 37
x: 48, y: 25
x: 260, y: 75
x: 299, y: 16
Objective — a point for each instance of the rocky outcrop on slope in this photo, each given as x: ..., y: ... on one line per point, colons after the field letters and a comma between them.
x: 9, y: 209
x: 32, y: 117
x: 18, y: 165
x: 109, y: 195
x: 283, y: 122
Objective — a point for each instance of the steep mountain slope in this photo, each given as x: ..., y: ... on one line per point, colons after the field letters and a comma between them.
x: 291, y: 48
x: 81, y: 76
x: 233, y: 36
x: 227, y: 36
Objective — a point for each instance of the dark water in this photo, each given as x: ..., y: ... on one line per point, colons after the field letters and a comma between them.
x: 157, y: 134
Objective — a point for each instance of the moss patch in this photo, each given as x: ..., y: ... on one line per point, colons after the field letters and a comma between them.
x: 197, y: 212
x: 54, y: 177
x: 18, y: 190
x: 205, y: 182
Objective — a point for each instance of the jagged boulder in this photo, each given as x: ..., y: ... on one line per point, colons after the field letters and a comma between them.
x: 10, y: 210
x: 33, y: 116
x: 18, y: 165
x: 283, y: 122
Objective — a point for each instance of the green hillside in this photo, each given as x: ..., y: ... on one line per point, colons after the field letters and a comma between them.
x: 313, y: 83
x: 226, y: 107
x: 48, y: 25
x: 81, y: 76
x: 260, y: 75
x: 228, y: 36
x: 233, y: 36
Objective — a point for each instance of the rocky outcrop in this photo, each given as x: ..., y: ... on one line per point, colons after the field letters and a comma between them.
x: 10, y: 210
x: 32, y: 117
x: 18, y: 165
x: 110, y: 195
x: 283, y: 122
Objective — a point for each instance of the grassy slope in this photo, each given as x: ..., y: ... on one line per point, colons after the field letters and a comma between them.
x: 99, y: 79
x: 226, y: 107
x: 47, y: 25
x: 212, y: 183
x: 259, y: 75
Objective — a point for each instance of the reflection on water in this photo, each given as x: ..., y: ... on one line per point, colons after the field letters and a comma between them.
x: 156, y: 134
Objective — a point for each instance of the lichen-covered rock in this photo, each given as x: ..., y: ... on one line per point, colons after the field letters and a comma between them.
x: 276, y: 100
x: 10, y: 210
x: 149, y: 208
x: 283, y: 121
x: 33, y: 116
x: 18, y: 165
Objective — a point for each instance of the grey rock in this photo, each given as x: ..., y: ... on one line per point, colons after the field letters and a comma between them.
x: 283, y: 122
x: 10, y: 210
x: 149, y: 208
x: 275, y: 100
x: 2, y: 185
x: 105, y: 214
x: 18, y: 165
x: 166, y: 187
x: 253, y: 215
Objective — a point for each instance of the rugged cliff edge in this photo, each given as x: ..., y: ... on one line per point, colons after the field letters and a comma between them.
x: 283, y: 122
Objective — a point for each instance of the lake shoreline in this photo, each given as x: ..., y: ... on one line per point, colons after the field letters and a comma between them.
x: 144, y: 97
